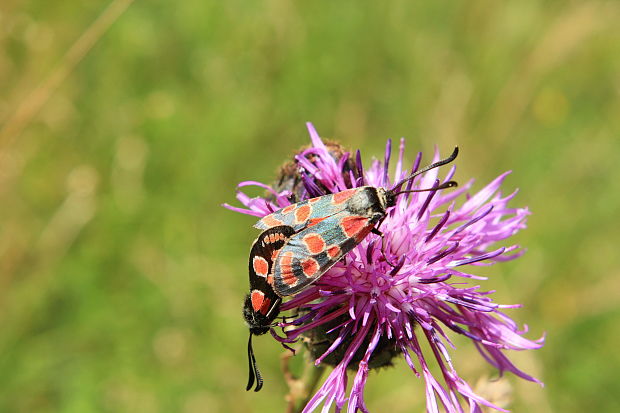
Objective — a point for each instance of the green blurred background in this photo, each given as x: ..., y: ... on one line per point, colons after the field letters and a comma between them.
x: 121, y: 277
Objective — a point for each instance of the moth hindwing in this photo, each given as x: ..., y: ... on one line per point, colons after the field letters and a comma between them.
x: 262, y: 304
x: 262, y: 298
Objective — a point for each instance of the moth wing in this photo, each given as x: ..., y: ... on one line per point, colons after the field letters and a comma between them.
x: 305, y: 213
x: 308, y: 254
x: 264, y: 250
x: 279, y: 218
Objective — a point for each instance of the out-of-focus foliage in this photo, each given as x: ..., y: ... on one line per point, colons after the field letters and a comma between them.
x: 121, y: 277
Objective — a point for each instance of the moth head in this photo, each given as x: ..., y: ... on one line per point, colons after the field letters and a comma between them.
x: 386, y: 198
x: 258, y: 325
x: 256, y: 321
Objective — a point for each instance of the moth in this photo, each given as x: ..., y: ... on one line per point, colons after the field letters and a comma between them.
x: 262, y: 304
x: 302, y: 241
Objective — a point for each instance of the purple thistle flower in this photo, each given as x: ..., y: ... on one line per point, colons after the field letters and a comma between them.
x: 364, y: 311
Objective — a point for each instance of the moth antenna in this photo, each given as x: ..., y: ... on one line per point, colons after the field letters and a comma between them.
x: 259, y: 378
x: 449, y: 184
x: 253, y: 369
x: 251, y: 366
x: 429, y: 167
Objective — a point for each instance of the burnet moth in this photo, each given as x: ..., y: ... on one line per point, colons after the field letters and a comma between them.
x: 302, y: 241
x: 262, y: 305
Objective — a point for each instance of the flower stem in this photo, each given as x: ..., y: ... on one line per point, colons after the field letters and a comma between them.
x: 301, y: 388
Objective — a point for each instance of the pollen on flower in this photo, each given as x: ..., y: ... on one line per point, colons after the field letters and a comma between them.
x: 389, y: 294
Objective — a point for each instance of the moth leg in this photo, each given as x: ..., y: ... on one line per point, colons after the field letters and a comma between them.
x: 269, y: 207
x: 285, y: 318
x: 379, y: 233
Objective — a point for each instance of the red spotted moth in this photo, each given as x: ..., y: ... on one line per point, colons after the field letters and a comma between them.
x: 302, y: 241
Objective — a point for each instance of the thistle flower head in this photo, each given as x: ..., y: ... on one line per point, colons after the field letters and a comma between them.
x: 387, y: 295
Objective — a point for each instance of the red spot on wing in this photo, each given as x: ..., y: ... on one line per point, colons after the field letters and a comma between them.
x: 310, y: 266
x: 343, y: 196
x: 333, y: 251
x: 362, y: 234
x: 286, y: 268
x: 289, y: 278
x: 313, y: 200
x: 352, y: 225
x: 289, y: 208
x: 264, y: 309
x: 272, y: 238
x: 315, y: 221
x: 270, y: 221
x: 260, y: 265
x: 314, y: 243
x: 270, y: 279
x: 286, y: 260
x: 257, y: 297
x: 302, y: 213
